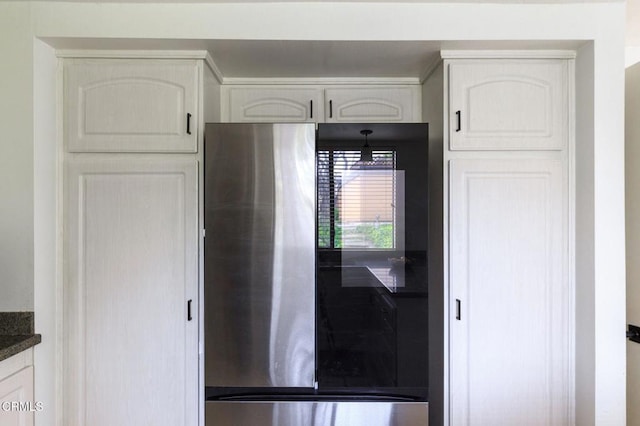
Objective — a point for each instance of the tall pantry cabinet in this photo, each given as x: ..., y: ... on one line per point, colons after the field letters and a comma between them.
x: 132, y: 132
x: 509, y: 298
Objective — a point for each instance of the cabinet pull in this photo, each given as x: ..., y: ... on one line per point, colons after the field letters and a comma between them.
x: 458, y: 309
x: 458, y: 121
x: 188, y: 123
x: 633, y: 333
x: 311, y: 108
x: 330, y: 109
x: 189, y: 318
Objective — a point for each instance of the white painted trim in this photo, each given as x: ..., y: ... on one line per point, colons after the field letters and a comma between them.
x: 199, y: 294
x: 571, y: 228
x: 60, y: 274
x: 143, y: 54
x: 446, y: 293
x: 228, y: 81
x: 214, y: 68
x: 508, y: 54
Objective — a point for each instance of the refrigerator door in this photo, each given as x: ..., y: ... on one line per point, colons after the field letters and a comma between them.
x: 259, y: 262
x: 316, y: 413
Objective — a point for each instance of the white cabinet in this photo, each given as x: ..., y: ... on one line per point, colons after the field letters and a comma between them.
x: 347, y: 104
x: 269, y: 104
x: 372, y: 104
x: 510, y: 333
x: 131, y: 268
x: 131, y: 105
x: 16, y: 390
x: 508, y: 104
x: 508, y: 327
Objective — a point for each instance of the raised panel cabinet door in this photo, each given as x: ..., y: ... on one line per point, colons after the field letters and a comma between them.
x: 131, y: 249
x: 508, y: 104
x: 17, y: 389
x: 275, y: 104
x: 510, y: 300
x: 131, y: 105
x: 372, y: 104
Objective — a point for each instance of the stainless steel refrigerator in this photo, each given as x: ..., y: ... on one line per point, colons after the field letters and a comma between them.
x: 260, y: 295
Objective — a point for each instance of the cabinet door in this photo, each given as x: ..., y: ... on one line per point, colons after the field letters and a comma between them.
x: 17, y: 388
x: 119, y: 105
x: 510, y: 309
x: 275, y: 104
x: 508, y: 104
x: 131, y: 350
x: 372, y: 104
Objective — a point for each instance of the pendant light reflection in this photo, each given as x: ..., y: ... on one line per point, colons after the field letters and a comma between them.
x: 366, y: 155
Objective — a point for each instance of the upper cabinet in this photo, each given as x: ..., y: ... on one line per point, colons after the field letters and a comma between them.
x: 346, y: 104
x: 394, y: 104
x: 131, y: 105
x: 505, y: 104
x: 286, y: 104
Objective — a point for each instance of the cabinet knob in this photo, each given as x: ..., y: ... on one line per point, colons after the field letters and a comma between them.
x: 188, y: 123
x: 458, y: 121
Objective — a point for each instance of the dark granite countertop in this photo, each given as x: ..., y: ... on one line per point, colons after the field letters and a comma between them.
x: 16, y: 333
x: 13, y: 344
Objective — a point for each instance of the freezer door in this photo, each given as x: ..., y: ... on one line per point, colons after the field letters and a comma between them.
x: 259, y: 268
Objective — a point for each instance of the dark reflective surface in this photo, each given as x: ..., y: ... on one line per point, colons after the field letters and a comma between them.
x: 372, y: 304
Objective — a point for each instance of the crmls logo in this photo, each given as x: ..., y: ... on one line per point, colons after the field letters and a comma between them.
x: 21, y: 406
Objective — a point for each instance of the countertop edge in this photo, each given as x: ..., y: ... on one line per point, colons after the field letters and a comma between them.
x: 13, y: 344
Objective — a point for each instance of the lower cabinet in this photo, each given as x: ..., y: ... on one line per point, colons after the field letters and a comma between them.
x: 17, y: 405
x: 130, y: 290
x: 510, y: 312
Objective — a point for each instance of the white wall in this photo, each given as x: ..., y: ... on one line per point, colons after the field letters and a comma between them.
x: 45, y: 167
x: 16, y: 158
x: 609, y: 224
x: 632, y: 136
x: 601, y: 312
x: 633, y: 33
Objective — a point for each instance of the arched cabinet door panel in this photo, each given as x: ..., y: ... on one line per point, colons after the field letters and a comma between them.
x: 508, y: 104
x: 120, y: 105
x: 281, y: 104
x: 394, y: 104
